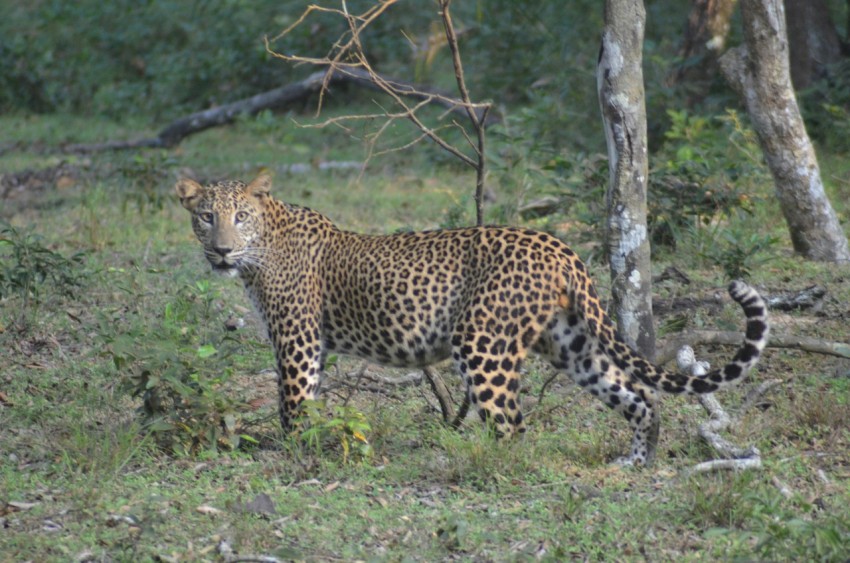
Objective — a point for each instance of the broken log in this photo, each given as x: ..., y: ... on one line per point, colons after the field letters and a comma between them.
x: 278, y: 98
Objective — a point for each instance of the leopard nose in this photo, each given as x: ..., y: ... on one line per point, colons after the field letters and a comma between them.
x: 223, y: 250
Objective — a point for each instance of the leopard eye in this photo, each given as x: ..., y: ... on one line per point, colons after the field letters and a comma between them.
x: 206, y: 217
x: 241, y: 216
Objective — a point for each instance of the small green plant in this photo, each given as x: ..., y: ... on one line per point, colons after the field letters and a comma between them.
x: 175, y: 367
x: 28, y: 269
x: 345, y: 426
x: 145, y: 174
x: 453, y: 532
x: 738, y: 253
x: 776, y: 528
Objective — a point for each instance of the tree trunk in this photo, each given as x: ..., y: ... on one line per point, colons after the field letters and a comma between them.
x: 813, y: 40
x: 759, y: 72
x: 619, y: 78
x: 703, y: 41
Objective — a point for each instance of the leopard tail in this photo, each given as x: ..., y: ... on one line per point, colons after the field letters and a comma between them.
x: 747, y: 356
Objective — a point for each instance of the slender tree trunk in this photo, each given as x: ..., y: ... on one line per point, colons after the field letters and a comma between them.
x: 619, y: 78
x: 813, y: 39
x: 703, y: 41
x: 759, y: 72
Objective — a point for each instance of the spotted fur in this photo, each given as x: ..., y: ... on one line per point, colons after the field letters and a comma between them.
x: 484, y: 296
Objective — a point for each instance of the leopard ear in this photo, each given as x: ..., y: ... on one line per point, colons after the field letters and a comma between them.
x: 261, y: 186
x: 189, y: 192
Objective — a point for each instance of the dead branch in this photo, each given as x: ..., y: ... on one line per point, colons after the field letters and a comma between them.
x: 732, y: 338
x: 347, y: 57
x: 410, y: 379
x: 803, y: 299
x: 719, y: 421
x: 734, y: 457
x: 727, y: 464
x: 755, y: 394
x: 784, y: 490
x: 174, y: 133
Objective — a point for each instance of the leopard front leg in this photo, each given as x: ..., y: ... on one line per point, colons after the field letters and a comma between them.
x: 299, y: 367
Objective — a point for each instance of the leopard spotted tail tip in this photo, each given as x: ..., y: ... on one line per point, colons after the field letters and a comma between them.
x: 757, y: 329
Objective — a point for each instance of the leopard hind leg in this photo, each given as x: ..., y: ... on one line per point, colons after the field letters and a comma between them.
x: 489, y: 364
x: 566, y: 344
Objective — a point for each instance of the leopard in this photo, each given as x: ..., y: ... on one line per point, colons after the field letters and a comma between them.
x: 484, y: 296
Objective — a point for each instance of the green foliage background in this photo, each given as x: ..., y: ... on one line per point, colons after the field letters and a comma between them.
x: 159, y: 59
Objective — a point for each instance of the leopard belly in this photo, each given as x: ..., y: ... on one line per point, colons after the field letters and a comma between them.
x: 373, y: 336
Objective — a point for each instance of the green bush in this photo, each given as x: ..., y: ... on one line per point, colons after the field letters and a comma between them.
x: 708, y: 167
x: 28, y: 269
x: 826, y: 108
x: 175, y: 368
x: 128, y: 58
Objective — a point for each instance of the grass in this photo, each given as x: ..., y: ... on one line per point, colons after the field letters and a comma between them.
x: 82, y: 477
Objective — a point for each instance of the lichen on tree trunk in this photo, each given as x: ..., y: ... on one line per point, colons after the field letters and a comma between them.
x: 759, y: 71
x: 619, y: 78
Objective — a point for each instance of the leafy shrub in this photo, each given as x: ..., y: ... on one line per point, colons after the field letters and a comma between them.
x: 526, y: 166
x: 28, y: 268
x: 737, y: 253
x: 345, y: 427
x: 127, y: 57
x: 708, y: 167
x: 176, y: 369
x: 757, y: 520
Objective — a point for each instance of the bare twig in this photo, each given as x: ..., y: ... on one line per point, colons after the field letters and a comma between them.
x: 477, y: 124
x: 347, y: 57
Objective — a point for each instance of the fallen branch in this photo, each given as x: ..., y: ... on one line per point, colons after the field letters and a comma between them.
x: 177, y: 130
x: 804, y: 299
x: 727, y: 464
x: 731, y: 338
x: 734, y: 457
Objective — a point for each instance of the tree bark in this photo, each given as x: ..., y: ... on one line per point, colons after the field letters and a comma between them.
x: 703, y: 41
x: 619, y: 77
x: 813, y: 40
x: 759, y: 72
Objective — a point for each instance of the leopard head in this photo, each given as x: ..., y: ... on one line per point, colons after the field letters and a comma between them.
x: 227, y: 218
